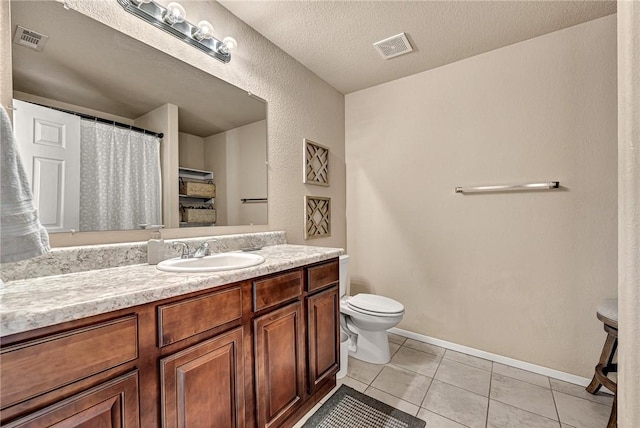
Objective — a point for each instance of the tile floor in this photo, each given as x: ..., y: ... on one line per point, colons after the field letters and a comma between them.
x: 449, y: 389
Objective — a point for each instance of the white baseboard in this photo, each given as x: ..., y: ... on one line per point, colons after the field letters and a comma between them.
x: 545, y: 371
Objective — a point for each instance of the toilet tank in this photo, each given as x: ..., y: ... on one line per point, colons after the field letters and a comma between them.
x: 344, y: 274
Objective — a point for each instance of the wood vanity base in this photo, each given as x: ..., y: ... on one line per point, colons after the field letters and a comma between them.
x: 258, y: 353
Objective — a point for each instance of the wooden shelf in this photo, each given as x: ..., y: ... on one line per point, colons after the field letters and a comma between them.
x: 198, y: 175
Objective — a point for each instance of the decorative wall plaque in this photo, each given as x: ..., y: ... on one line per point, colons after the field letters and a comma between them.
x: 317, y: 217
x: 316, y: 163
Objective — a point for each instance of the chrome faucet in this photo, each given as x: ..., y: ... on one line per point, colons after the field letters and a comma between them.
x: 204, y: 249
x: 186, y: 251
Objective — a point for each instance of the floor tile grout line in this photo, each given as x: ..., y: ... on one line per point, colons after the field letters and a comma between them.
x: 525, y: 410
x: 530, y: 383
x: 608, y: 406
x: 486, y: 419
x: 409, y: 370
x: 444, y: 357
x: 425, y: 395
x: 424, y: 352
x: 442, y: 416
x: 376, y: 376
x: 521, y: 380
x: 458, y: 386
x: 402, y: 368
x: 575, y: 395
x: 395, y: 352
x: 555, y: 405
x: 394, y: 396
x: 464, y: 389
x: 530, y: 412
x: 469, y: 365
x: 390, y: 364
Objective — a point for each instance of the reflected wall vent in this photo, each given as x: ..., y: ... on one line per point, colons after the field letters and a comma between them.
x: 29, y: 38
x: 393, y: 46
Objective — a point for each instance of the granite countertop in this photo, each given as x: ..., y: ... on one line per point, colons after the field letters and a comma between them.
x: 40, y: 302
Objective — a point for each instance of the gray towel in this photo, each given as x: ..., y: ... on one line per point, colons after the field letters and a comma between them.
x: 21, y: 234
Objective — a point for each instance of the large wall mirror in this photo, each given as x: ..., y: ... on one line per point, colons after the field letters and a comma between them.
x: 90, y: 175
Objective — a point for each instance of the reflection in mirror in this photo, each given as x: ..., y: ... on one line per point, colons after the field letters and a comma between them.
x: 212, y: 154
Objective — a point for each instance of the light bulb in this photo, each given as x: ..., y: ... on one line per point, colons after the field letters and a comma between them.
x: 175, y: 13
x: 203, y: 31
x: 230, y: 44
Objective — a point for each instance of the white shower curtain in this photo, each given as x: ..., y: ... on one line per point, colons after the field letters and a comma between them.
x: 120, y: 184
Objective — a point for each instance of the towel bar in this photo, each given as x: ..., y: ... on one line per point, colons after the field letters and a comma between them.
x: 509, y: 187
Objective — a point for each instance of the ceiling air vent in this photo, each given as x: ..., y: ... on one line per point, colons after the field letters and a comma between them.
x: 393, y: 46
x: 30, y: 39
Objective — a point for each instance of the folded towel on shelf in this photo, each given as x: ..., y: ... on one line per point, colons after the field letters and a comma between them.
x: 22, y: 236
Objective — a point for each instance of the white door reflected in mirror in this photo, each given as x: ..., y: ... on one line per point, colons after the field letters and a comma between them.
x: 49, y: 145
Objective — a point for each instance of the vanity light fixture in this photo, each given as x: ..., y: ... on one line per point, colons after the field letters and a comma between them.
x: 204, y: 30
x: 175, y: 13
x: 229, y: 44
x: 172, y: 19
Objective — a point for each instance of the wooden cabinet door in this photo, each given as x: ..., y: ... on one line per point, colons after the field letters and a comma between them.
x: 323, y: 329
x: 279, y: 360
x: 113, y: 404
x: 203, y: 386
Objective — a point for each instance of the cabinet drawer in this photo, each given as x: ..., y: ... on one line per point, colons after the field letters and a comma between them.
x: 278, y: 289
x: 322, y: 276
x: 177, y: 321
x: 113, y: 404
x: 41, y: 365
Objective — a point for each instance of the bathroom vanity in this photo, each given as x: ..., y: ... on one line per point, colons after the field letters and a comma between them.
x: 256, y: 347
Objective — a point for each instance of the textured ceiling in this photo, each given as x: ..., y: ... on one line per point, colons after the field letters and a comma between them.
x: 334, y: 38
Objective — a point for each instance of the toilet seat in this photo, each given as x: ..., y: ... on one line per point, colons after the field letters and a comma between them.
x: 375, y: 305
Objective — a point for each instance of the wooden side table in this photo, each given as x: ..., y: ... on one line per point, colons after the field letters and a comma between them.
x: 608, y: 314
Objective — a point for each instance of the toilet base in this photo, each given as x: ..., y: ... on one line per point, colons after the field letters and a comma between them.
x: 372, y: 347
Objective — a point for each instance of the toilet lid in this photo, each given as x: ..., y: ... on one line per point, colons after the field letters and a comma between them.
x: 375, y: 304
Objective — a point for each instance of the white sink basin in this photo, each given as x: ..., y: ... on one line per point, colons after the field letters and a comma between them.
x: 212, y: 263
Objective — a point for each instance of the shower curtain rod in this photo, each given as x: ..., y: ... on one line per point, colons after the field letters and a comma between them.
x: 101, y: 120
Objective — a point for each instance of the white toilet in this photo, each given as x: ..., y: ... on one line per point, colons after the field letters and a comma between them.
x: 365, y: 318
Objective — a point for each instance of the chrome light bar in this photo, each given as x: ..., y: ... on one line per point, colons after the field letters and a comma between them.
x: 154, y: 13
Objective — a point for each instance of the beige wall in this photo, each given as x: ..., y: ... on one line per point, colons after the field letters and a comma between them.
x: 215, y: 155
x: 516, y: 274
x: 191, y: 151
x: 300, y: 105
x: 243, y: 153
